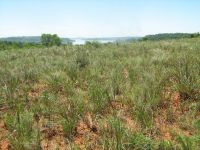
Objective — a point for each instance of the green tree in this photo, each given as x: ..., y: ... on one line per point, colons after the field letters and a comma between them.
x: 50, y: 40
x: 56, y: 40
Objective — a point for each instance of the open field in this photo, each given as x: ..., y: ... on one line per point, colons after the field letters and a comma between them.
x: 137, y: 96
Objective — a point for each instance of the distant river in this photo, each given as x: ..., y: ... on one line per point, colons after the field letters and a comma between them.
x: 83, y: 41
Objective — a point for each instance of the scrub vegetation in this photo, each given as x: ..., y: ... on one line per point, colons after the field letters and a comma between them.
x: 143, y: 95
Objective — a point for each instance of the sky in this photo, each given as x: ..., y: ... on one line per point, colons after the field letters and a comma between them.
x: 98, y: 18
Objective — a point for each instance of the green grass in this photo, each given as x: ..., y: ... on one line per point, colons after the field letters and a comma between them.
x: 111, y: 82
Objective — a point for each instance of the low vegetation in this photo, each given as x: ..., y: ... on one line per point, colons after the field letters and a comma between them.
x: 143, y: 95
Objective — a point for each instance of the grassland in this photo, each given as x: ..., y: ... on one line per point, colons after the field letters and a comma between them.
x: 137, y: 96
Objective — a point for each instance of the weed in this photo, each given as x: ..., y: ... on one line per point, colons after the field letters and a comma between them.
x: 119, y: 134
x: 139, y: 142
x: 115, y: 80
x: 166, y: 145
x: 99, y: 96
x: 186, y: 143
x: 21, y: 126
x: 187, y: 80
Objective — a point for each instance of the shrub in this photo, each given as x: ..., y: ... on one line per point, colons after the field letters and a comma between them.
x: 81, y: 58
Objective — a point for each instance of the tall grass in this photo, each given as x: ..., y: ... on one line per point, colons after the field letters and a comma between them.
x: 134, y: 81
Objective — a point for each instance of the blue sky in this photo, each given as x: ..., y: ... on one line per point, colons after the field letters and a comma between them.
x: 98, y: 18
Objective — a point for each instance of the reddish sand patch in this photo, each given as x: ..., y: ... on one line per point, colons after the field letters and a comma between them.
x: 118, y: 106
x: 164, y: 129
x: 37, y: 90
x: 123, y: 112
x: 131, y: 124
x: 172, y: 112
x: 4, y: 143
x: 176, y: 99
x: 53, y: 139
x: 86, y: 135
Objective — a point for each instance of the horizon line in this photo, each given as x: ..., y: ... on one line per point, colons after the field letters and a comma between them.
x: 88, y: 37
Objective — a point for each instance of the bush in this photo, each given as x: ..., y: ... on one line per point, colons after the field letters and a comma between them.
x: 81, y: 58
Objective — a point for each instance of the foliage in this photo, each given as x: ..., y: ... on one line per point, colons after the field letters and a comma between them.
x: 50, y: 40
x: 168, y: 36
x: 6, y: 45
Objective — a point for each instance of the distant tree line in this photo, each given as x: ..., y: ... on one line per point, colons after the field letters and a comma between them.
x: 4, y: 45
x: 46, y: 40
x: 168, y: 36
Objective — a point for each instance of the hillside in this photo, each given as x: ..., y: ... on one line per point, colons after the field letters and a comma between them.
x: 168, y: 36
x: 31, y: 39
x: 36, y: 39
x: 143, y: 95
